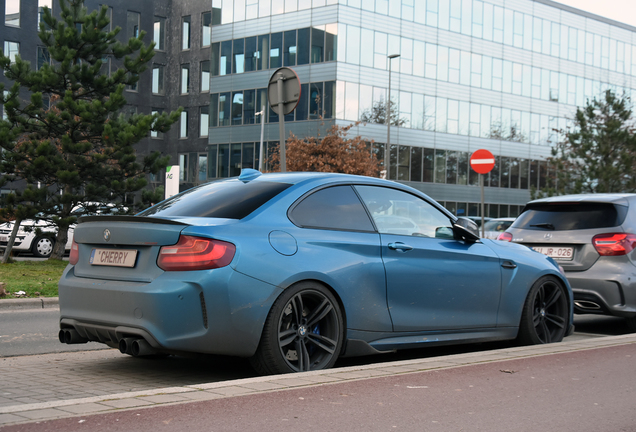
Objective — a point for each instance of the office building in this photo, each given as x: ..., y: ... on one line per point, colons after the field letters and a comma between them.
x: 502, y: 75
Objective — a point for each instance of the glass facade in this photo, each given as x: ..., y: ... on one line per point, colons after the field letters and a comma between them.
x: 470, y: 74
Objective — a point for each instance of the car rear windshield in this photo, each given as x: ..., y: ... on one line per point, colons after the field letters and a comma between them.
x: 571, y: 216
x: 231, y: 199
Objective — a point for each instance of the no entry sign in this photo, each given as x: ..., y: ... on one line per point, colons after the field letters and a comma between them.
x: 482, y: 161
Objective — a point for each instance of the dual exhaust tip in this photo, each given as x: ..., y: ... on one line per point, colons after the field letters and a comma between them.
x: 71, y: 336
x: 135, y: 347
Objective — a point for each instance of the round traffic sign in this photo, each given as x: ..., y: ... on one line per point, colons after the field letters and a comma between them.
x: 482, y: 161
x: 283, y: 90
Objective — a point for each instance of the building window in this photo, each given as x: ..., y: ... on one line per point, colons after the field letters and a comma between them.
x: 12, y: 13
x: 11, y: 49
x: 204, y: 121
x: 41, y: 5
x: 159, y: 33
x: 4, y: 112
x: 205, y: 76
x: 132, y: 27
x: 185, y: 79
x: 155, y: 134
x: 185, y: 33
x: 183, y: 167
x: 183, y: 126
x: 157, y: 79
x: 206, y: 28
x: 43, y: 57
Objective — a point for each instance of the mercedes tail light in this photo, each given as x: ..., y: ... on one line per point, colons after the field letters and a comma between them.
x: 614, y: 244
x: 74, y: 256
x: 505, y: 236
x: 195, y: 253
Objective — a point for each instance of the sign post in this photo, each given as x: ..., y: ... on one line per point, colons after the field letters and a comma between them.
x: 482, y: 161
x: 172, y: 181
x: 283, y: 93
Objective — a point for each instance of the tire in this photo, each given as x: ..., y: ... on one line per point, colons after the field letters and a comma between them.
x: 42, y: 247
x: 304, y: 331
x: 546, y: 313
x: 631, y: 324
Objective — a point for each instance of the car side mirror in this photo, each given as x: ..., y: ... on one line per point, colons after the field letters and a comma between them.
x: 465, y: 229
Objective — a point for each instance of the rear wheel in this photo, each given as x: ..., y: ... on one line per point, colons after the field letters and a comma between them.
x: 42, y: 247
x: 304, y: 331
x: 545, y: 314
x: 631, y: 324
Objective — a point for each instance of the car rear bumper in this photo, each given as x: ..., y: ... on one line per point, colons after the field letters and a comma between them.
x: 177, y: 312
x: 603, y: 292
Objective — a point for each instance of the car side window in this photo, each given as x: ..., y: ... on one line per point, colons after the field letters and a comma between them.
x: 336, y: 207
x: 398, y: 212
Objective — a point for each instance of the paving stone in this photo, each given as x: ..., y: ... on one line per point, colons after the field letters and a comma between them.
x: 126, y: 403
x: 10, y: 418
x: 87, y: 408
x: 164, y: 398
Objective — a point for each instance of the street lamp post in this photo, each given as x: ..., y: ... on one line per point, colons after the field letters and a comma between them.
x: 387, y: 159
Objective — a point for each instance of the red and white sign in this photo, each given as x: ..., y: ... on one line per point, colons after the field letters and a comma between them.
x: 482, y: 161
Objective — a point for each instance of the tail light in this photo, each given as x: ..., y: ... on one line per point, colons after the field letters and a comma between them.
x: 614, y: 244
x: 195, y: 253
x: 74, y: 256
x: 505, y: 236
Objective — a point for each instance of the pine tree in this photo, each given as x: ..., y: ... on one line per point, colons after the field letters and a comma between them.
x: 599, y: 153
x: 74, y: 139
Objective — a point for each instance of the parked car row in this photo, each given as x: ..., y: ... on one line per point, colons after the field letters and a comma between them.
x: 38, y: 235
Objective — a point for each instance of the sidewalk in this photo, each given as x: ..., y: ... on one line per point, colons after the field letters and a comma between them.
x: 105, y: 403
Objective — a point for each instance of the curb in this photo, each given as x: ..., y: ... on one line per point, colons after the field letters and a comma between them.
x: 29, y: 303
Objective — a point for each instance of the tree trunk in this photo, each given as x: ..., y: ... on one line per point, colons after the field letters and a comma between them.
x: 60, y: 244
x: 14, y: 233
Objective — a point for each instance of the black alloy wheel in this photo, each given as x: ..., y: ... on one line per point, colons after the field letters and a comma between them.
x: 304, y: 331
x: 546, y: 313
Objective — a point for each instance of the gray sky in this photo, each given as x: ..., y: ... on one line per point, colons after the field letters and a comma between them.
x: 618, y: 10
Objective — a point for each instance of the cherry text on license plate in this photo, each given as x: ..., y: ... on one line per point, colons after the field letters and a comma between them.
x: 114, y: 257
x: 556, y: 252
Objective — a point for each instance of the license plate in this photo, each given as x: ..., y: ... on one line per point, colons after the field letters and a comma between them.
x: 114, y: 257
x: 4, y: 239
x: 556, y: 252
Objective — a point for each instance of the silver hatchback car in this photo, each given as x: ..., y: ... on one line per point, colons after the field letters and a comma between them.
x: 593, y: 237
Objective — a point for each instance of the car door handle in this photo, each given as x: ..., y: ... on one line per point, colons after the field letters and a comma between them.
x: 400, y: 246
x: 509, y: 265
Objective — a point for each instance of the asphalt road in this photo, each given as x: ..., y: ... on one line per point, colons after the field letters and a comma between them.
x: 34, y: 331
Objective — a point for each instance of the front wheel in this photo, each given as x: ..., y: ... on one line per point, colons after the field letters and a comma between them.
x: 42, y: 247
x: 304, y: 331
x: 546, y: 313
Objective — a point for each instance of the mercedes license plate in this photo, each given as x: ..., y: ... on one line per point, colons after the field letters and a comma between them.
x: 114, y: 257
x: 556, y: 252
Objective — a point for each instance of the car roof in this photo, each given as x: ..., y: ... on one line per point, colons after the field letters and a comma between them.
x: 613, y: 198
x: 299, y: 177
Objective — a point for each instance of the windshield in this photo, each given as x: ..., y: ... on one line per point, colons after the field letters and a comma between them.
x: 230, y: 199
